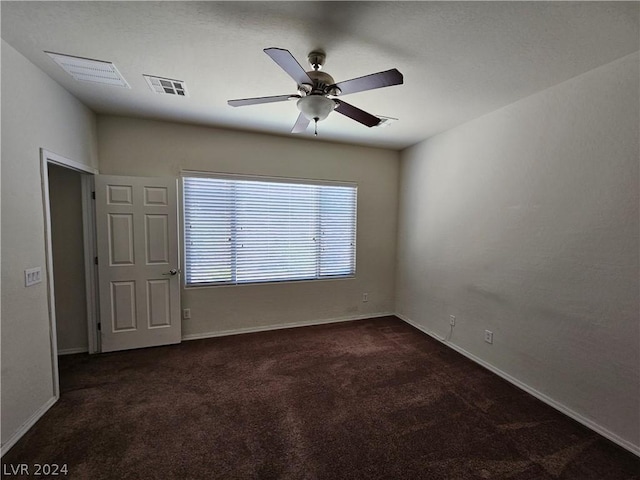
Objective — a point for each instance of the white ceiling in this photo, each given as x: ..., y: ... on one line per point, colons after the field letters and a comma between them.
x: 460, y: 60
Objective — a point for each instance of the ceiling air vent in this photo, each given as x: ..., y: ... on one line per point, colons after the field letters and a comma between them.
x: 166, y: 86
x: 87, y: 70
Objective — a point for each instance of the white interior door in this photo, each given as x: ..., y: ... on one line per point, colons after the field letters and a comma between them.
x: 139, y: 285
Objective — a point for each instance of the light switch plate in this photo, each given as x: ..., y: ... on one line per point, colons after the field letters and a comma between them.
x: 32, y: 276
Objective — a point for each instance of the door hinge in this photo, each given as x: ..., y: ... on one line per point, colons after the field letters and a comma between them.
x: 95, y: 260
x: 93, y: 195
x: 99, y: 327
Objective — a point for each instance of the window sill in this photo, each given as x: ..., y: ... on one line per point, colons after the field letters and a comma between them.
x: 269, y: 283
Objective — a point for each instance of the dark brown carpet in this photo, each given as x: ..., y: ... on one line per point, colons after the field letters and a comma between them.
x: 360, y: 400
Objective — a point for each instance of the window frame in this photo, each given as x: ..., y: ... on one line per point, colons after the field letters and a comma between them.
x: 260, y: 178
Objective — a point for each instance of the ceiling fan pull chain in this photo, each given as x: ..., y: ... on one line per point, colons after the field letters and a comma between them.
x: 316, y: 126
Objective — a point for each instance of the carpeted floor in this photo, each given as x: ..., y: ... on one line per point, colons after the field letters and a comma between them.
x: 370, y: 399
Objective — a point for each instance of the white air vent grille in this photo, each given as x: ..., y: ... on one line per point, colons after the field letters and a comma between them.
x: 166, y: 86
x: 87, y: 70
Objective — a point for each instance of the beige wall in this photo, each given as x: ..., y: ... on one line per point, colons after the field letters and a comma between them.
x: 65, y: 198
x: 151, y: 148
x: 36, y: 112
x: 525, y: 222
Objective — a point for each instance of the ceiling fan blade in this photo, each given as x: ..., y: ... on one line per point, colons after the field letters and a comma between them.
x: 301, y: 124
x: 356, y: 114
x: 255, y: 101
x: 289, y: 64
x: 370, y: 82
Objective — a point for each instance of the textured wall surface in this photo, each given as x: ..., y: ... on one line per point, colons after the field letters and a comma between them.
x: 150, y: 148
x: 525, y: 222
x: 36, y: 113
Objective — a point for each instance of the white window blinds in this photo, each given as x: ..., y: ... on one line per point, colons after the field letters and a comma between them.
x: 245, y: 231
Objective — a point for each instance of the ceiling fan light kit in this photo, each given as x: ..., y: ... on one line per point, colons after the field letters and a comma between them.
x: 316, y: 107
x: 316, y: 90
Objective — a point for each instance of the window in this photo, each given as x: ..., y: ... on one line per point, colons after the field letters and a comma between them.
x: 247, y: 231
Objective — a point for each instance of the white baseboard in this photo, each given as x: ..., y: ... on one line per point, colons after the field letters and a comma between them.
x: 24, y: 428
x: 280, y: 326
x: 71, y: 351
x: 635, y: 449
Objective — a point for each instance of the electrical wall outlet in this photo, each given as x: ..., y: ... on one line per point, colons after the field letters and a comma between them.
x: 452, y: 320
x: 488, y: 336
x: 32, y: 276
x: 186, y: 313
x: 365, y: 297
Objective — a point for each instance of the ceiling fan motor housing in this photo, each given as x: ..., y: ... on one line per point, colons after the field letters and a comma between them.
x: 322, y: 84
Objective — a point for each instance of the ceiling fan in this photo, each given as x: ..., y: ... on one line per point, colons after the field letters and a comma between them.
x: 317, y: 90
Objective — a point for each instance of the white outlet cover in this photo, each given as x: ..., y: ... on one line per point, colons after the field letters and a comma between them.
x: 488, y: 336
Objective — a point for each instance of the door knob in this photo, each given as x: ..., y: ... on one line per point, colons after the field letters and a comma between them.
x: 171, y: 272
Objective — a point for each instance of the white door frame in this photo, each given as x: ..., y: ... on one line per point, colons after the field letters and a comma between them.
x: 88, y: 222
